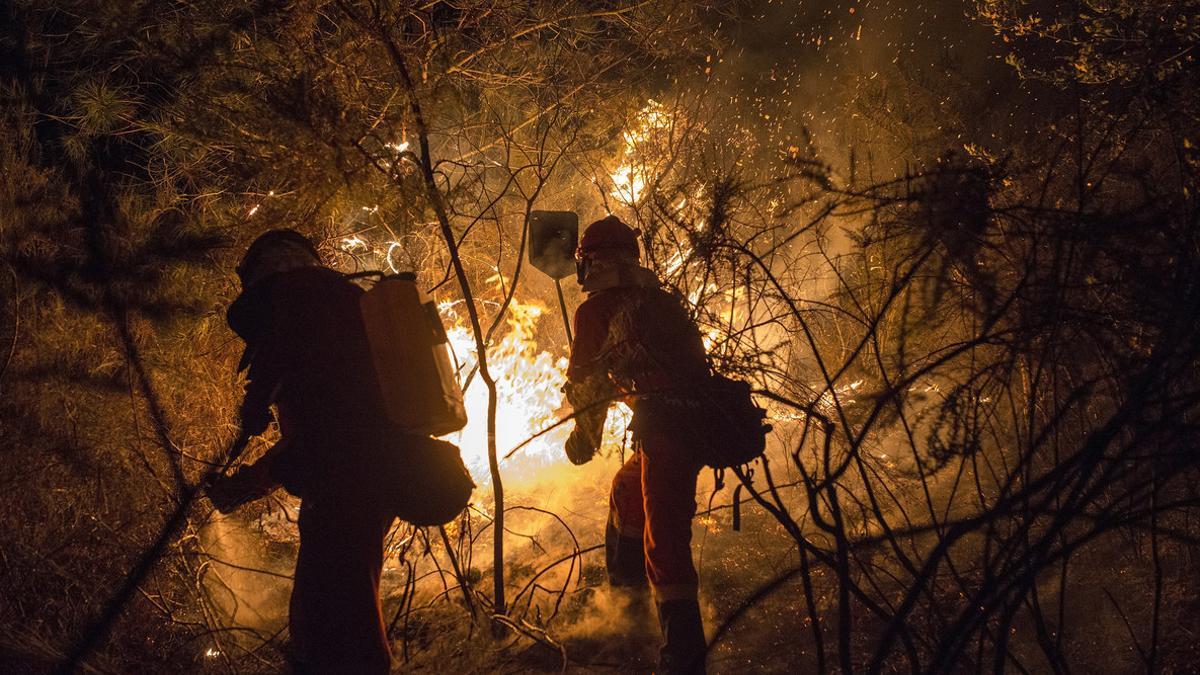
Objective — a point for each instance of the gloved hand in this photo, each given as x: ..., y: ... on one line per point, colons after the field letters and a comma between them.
x: 255, y: 418
x: 579, y: 449
x: 245, y: 485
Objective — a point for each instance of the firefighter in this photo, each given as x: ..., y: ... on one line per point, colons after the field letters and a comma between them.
x: 633, y: 339
x: 307, y: 355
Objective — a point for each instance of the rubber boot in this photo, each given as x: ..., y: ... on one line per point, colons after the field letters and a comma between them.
x: 625, y: 558
x: 684, y: 648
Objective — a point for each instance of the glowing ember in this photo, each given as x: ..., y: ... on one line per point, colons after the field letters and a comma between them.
x: 826, y: 402
x: 354, y: 244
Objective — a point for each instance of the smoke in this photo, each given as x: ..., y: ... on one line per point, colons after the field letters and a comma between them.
x: 613, y: 625
x: 248, y: 573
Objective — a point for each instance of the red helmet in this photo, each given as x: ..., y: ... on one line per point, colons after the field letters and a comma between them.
x: 608, y: 234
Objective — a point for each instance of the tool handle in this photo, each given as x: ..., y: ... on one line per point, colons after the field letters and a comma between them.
x: 236, y: 448
x: 562, y: 305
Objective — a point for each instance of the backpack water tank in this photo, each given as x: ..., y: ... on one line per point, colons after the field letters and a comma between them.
x: 412, y: 357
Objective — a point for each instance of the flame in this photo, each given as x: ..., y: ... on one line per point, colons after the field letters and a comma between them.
x: 529, y: 393
x: 529, y: 396
x: 630, y: 178
x: 628, y: 183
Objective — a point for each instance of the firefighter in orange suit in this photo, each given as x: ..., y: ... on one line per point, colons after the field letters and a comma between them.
x: 635, y: 340
x: 307, y: 355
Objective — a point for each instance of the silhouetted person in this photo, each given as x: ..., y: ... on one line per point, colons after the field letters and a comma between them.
x: 632, y: 337
x: 307, y: 355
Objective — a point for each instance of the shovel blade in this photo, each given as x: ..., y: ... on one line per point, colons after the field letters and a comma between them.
x: 553, y: 237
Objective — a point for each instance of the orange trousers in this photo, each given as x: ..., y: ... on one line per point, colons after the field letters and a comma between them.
x: 654, y: 498
x: 335, y: 617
